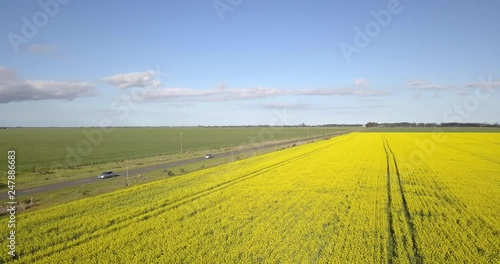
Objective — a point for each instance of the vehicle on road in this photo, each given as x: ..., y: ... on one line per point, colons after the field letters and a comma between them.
x: 107, y: 174
x: 209, y: 156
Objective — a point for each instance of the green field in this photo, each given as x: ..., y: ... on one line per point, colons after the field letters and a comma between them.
x: 72, y: 147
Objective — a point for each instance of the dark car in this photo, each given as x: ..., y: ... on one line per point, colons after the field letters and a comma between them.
x: 107, y: 174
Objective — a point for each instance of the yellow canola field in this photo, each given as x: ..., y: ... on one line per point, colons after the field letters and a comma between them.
x: 357, y: 198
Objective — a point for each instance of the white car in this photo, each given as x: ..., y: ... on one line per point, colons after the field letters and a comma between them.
x: 209, y: 156
x: 107, y: 174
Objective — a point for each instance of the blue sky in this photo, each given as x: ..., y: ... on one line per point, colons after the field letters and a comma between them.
x: 239, y: 62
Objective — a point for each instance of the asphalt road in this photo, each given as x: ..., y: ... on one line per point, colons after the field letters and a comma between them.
x: 134, y: 172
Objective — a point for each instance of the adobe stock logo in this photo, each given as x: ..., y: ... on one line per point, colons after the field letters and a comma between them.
x: 363, y: 38
x: 223, y: 6
x: 458, y: 112
x: 30, y: 27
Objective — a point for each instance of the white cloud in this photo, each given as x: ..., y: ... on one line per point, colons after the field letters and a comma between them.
x: 289, y: 106
x: 487, y: 85
x: 16, y: 90
x: 225, y: 93
x: 302, y: 106
x: 6, y: 74
x: 133, y: 79
x: 353, y: 107
x: 460, y: 89
x: 340, y: 91
x: 360, y: 82
x: 429, y: 86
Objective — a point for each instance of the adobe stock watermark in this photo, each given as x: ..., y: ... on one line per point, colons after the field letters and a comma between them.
x: 363, y: 36
x: 458, y: 113
x: 281, y: 118
x: 223, y: 6
x: 121, y: 107
x: 31, y: 26
x: 483, y: 90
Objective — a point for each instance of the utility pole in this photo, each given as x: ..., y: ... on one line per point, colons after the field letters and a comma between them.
x: 181, y: 141
x: 252, y: 137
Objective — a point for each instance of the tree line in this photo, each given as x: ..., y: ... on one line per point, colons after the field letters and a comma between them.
x: 449, y: 124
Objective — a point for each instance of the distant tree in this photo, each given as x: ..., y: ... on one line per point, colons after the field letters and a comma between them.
x: 371, y: 124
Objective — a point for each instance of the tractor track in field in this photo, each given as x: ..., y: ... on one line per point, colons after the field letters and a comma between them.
x: 391, y: 249
x: 417, y: 257
x: 108, y: 229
